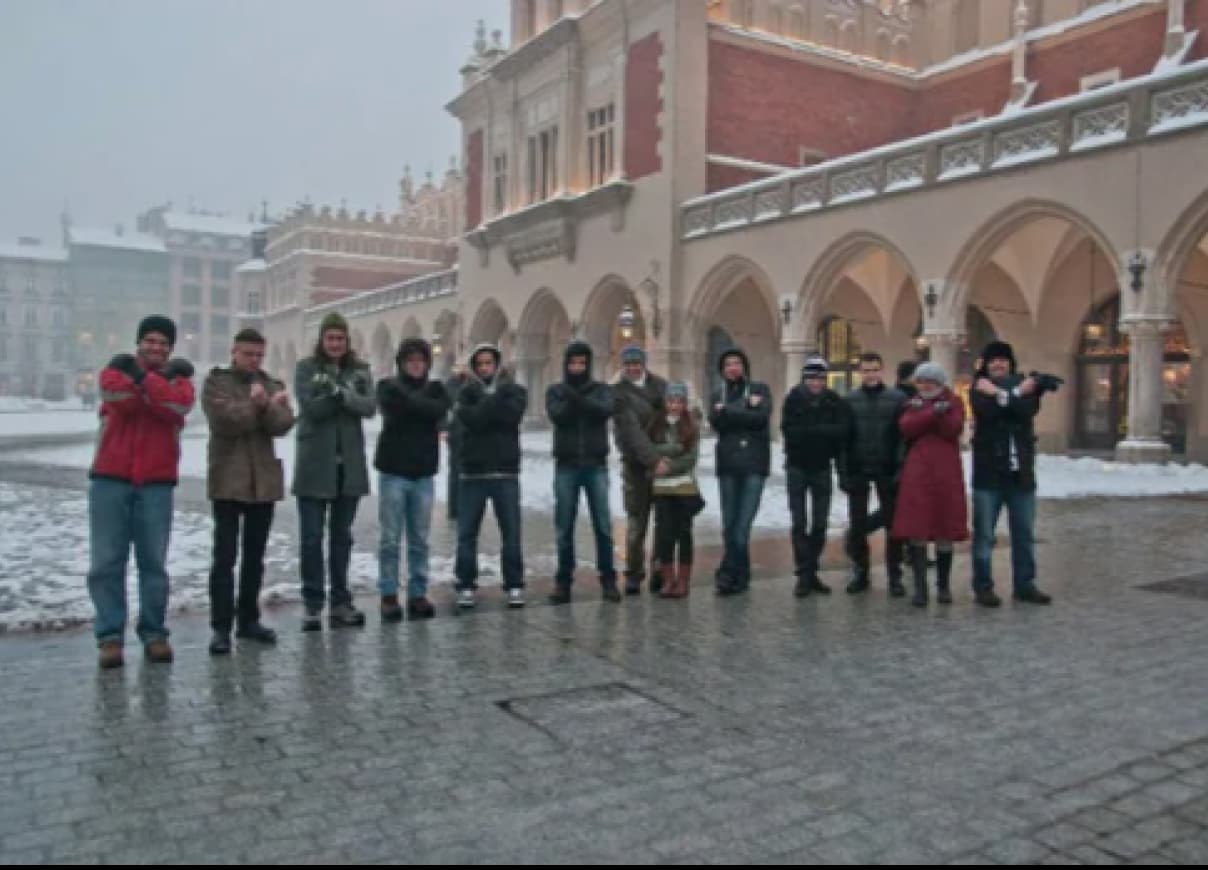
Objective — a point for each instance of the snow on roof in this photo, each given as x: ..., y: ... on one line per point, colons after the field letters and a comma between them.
x: 209, y: 223
x: 110, y: 239
x: 252, y: 266
x: 40, y: 252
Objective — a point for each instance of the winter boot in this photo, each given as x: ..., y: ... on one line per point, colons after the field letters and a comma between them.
x: 918, y: 556
x: 943, y: 573
x: 633, y: 584
x: 392, y: 611
x: 683, y: 579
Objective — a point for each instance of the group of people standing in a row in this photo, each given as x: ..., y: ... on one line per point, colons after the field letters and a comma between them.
x: 902, y: 442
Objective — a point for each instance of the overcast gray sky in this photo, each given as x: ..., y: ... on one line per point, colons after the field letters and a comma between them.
x: 116, y: 105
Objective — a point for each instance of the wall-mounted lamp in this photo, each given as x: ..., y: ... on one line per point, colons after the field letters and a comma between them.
x: 1137, y: 265
x: 932, y: 299
x: 786, y: 309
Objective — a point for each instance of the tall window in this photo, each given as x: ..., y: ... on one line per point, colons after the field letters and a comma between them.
x: 601, y: 147
x: 220, y: 270
x: 542, y: 165
x: 190, y: 294
x: 31, y: 316
x: 190, y: 267
x: 500, y: 176
x: 220, y: 297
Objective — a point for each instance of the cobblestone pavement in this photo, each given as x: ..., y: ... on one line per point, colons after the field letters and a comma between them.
x: 752, y: 730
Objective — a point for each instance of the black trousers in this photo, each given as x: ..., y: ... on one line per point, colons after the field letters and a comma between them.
x: 857, y: 535
x: 257, y: 519
x: 673, y: 515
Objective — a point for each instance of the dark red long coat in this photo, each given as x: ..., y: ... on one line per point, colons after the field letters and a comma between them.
x: 931, y: 496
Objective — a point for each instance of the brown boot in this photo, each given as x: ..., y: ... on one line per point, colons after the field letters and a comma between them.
x: 111, y: 656
x: 667, y: 578
x: 159, y: 652
x: 683, y: 579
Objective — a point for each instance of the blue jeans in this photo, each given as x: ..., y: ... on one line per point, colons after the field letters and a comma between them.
x: 312, y: 517
x: 594, y: 482
x: 1021, y: 518
x: 739, y: 504
x: 121, y: 514
x: 403, y: 501
x: 504, y: 494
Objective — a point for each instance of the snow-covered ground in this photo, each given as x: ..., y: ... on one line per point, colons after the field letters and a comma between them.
x: 44, y: 561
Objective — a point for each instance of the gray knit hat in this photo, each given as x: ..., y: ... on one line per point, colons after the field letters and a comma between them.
x: 931, y: 371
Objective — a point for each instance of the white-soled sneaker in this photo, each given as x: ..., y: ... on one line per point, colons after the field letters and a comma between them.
x: 515, y: 598
x: 466, y: 599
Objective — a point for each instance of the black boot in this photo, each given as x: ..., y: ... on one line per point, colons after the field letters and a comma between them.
x: 803, y: 587
x: 943, y: 574
x: 895, y: 551
x: 633, y: 584
x: 918, y: 559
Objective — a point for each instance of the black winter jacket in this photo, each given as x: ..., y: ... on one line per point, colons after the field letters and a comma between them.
x: 579, y: 408
x: 816, y: 429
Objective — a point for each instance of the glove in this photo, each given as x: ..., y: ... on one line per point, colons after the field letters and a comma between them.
x: 321, y: 386
x: 916, y: 402
x: 128, y: 365
x: 941, y: 407
x: 178, y: 367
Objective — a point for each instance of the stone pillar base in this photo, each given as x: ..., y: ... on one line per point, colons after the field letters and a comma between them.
x: 1143, y: 451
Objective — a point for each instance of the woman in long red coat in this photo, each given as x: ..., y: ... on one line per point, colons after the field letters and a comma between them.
x: 931, y: 497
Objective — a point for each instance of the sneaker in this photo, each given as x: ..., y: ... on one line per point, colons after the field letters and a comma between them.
x: 803, y: 588
x: 610, y: 591
x: 987, y: 598
x: 1032, y: 595
x: 313, y: 619
x: 515, y: 598
x: 420, y: 608
x: 110, y: 656
x: 159, y: 652
x: 257, y: 632
x: 466, y: 600
x: 818, y: 586
x: 633, y: 585
x: 345, y: 616
x: 220, y: 644
x: 392, y: 611
x: 560, y: 595
x: 896, y: 588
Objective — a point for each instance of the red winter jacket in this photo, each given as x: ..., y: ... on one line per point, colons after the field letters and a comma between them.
x: 931, y: 496
x: 140, y: 427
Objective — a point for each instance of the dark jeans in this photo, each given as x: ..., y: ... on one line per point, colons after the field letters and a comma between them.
x: 504, y: 495
x: 594, y: 483
x: 312, y: 518
x: 257, y: 520
x: 639, y: 500
x: 857, y: 534
x: 453, y: 482
x: 1021, y: 520
x: 740, y: 496
x: 808, y: 546
x: 673, y: 515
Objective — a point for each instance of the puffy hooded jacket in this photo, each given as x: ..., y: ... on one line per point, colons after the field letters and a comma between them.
x: 490, y: 414
x: 579, y: 408
x: 413, y: 411
x: 740, y: 414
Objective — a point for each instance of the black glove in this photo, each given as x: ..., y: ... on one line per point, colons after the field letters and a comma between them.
x: 178, y: 367
x: 128, y: 365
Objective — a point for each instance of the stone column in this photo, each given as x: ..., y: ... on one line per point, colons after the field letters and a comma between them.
x: 1144, y: 443
x: 943, y: 348
x: 1176, y: 32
